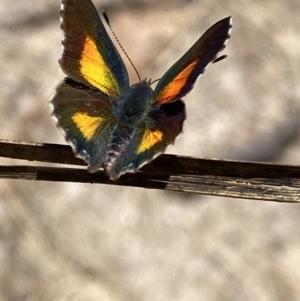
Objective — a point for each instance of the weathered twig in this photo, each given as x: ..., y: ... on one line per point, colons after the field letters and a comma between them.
x: 260, y: 181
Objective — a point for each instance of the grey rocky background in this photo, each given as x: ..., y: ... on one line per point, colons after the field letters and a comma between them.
x: 82, y: 242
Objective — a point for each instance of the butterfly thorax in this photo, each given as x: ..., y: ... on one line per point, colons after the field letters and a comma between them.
x: 134, y: 104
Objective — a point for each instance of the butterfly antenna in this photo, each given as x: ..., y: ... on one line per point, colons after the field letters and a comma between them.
x: 114, y: 34
x: 154, y: 81
x: 220, y: 58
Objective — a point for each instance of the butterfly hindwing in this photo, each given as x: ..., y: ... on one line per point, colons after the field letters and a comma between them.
x: 86, y: 119
x: 158, y: 130
x: 180, y: 78
x: 89, y: 56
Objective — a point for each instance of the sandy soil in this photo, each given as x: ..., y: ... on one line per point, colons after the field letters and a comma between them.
x: 82, y: 242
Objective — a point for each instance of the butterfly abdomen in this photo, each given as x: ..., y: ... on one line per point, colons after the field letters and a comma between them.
x: 120, y: 139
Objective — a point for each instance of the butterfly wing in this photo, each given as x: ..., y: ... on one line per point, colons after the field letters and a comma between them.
x: 180, y: 78
x: 85, y: 117
x: 158, y: 130
x: 89, y: 56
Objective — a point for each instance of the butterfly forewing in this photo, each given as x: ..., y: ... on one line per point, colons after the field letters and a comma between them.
x: 89, y: 56
x: 180, y: 78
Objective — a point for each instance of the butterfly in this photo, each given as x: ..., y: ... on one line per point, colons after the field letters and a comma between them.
x: 107, y: 122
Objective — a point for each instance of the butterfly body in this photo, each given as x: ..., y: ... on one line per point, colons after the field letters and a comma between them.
x: 109, y: 123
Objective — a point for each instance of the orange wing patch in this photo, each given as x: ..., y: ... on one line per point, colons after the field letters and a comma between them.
x: 173, y: 88
x: 86, y: 124
x: 149, y: 139
x: 96, y: 71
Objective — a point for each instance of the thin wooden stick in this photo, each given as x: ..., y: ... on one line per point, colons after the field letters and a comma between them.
x: 250, y: 180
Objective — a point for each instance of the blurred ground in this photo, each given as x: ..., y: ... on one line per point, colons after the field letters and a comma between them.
x: 90, y: 242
